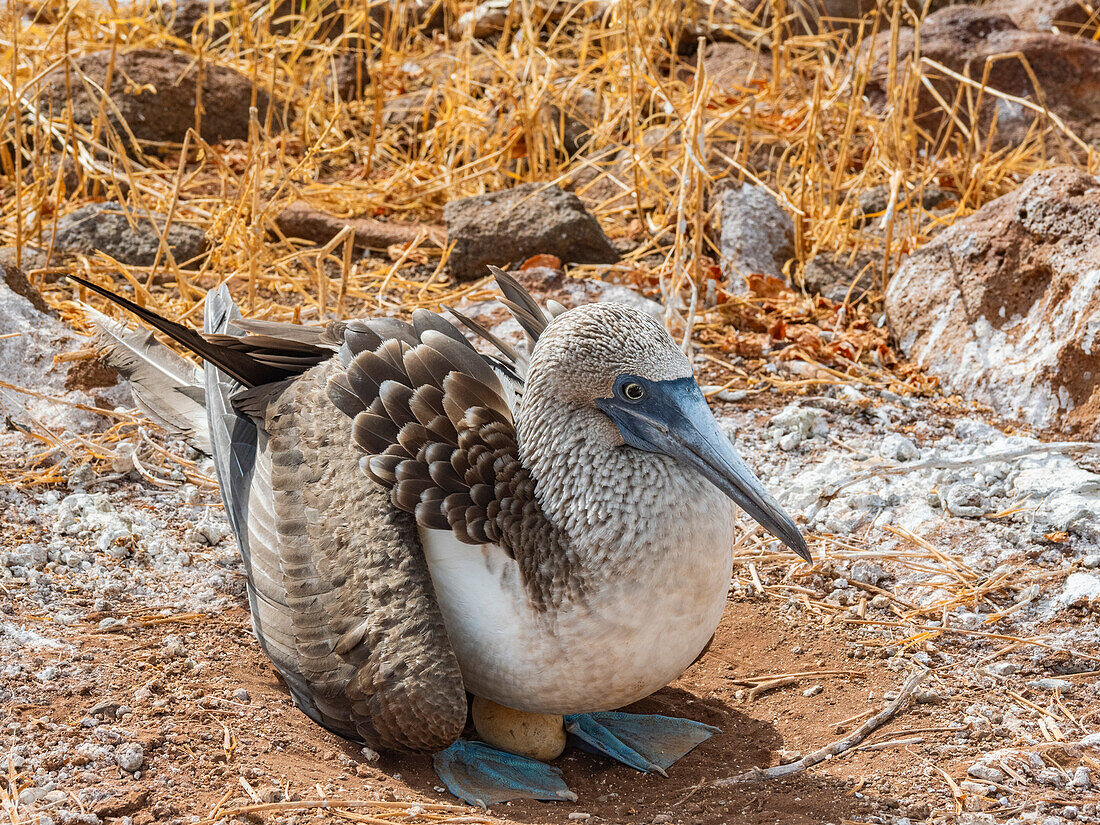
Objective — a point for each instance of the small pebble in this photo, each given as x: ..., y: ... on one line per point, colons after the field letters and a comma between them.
x: 927, y: 696
x: 173, y: 648
x: 106, y: 709
x: 813, y: 691
x: 976, y: 788
x: 1059, y: 685
x: 788, y: 756
x: 895, y: 447
x: 965, y: 500
x: 867, y: 572
x: 27, y: 796
x: 1082, y: 779
x: 1050, y: 776
x: 986, y: 773
x: 790, y: 442
x: 270, y: 794
x: 129, y: 756
x: 579, y: 816
x: 241, y: 695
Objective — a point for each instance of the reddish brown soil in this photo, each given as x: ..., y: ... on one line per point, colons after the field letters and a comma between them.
x: 269, y: 742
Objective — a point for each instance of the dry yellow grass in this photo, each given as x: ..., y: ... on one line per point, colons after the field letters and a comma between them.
x: 484, y: 114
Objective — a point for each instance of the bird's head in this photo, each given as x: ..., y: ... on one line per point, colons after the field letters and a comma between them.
x: 621, y: 366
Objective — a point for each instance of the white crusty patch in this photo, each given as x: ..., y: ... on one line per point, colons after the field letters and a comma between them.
x: 1010, y: 368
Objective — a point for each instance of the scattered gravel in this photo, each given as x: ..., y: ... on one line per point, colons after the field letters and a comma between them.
x: 108, y: 554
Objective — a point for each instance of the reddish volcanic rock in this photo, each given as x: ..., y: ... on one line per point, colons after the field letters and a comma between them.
x: 969, y: 40
x: 156, y: 92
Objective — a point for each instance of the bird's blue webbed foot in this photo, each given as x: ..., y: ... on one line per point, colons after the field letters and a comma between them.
x: 646, y: 742
x: 481, y: 775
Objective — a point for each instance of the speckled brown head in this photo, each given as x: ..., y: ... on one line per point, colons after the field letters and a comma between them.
x: 583, y: 351
x: 618, y: 378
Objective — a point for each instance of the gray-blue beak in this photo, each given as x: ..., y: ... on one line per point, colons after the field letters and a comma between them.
x: 672, y: 418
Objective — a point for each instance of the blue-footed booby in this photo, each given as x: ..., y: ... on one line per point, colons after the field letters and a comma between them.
x: 550, y: 530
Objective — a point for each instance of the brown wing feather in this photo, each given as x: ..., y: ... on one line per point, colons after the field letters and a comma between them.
x: 344, y: 603
x: 440, y: 435
x: 340, y: 593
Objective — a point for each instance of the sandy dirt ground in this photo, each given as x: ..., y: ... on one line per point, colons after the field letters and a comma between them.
x: 134, y: 692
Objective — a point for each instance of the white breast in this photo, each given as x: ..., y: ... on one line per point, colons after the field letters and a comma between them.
x: 637, y: 629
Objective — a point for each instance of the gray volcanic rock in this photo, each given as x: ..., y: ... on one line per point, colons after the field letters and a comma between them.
x: 840, y: 276
x: 104, y: 227
x: 514, y: 224
x: 1004, y: 306
x: 756, y: 235
x: 156, y: 92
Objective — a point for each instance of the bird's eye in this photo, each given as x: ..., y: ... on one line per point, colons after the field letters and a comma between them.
x: 633, y: 391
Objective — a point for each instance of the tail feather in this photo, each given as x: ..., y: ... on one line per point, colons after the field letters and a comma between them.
x: 515, y: 358
x: 244, y: 368
x: 530, y: 316
x: 236, y: 437
x: 166, y: 387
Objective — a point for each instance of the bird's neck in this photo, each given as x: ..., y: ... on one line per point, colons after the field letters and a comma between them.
x: 623, y: 514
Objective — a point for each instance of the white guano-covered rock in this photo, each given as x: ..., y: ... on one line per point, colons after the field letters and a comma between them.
x: 1081, y: 590
x: 1004, y: 306
x: 794, y: 424
x: 30, y: 338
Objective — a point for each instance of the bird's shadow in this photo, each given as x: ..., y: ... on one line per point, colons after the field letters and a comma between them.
x: 616, y: 793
